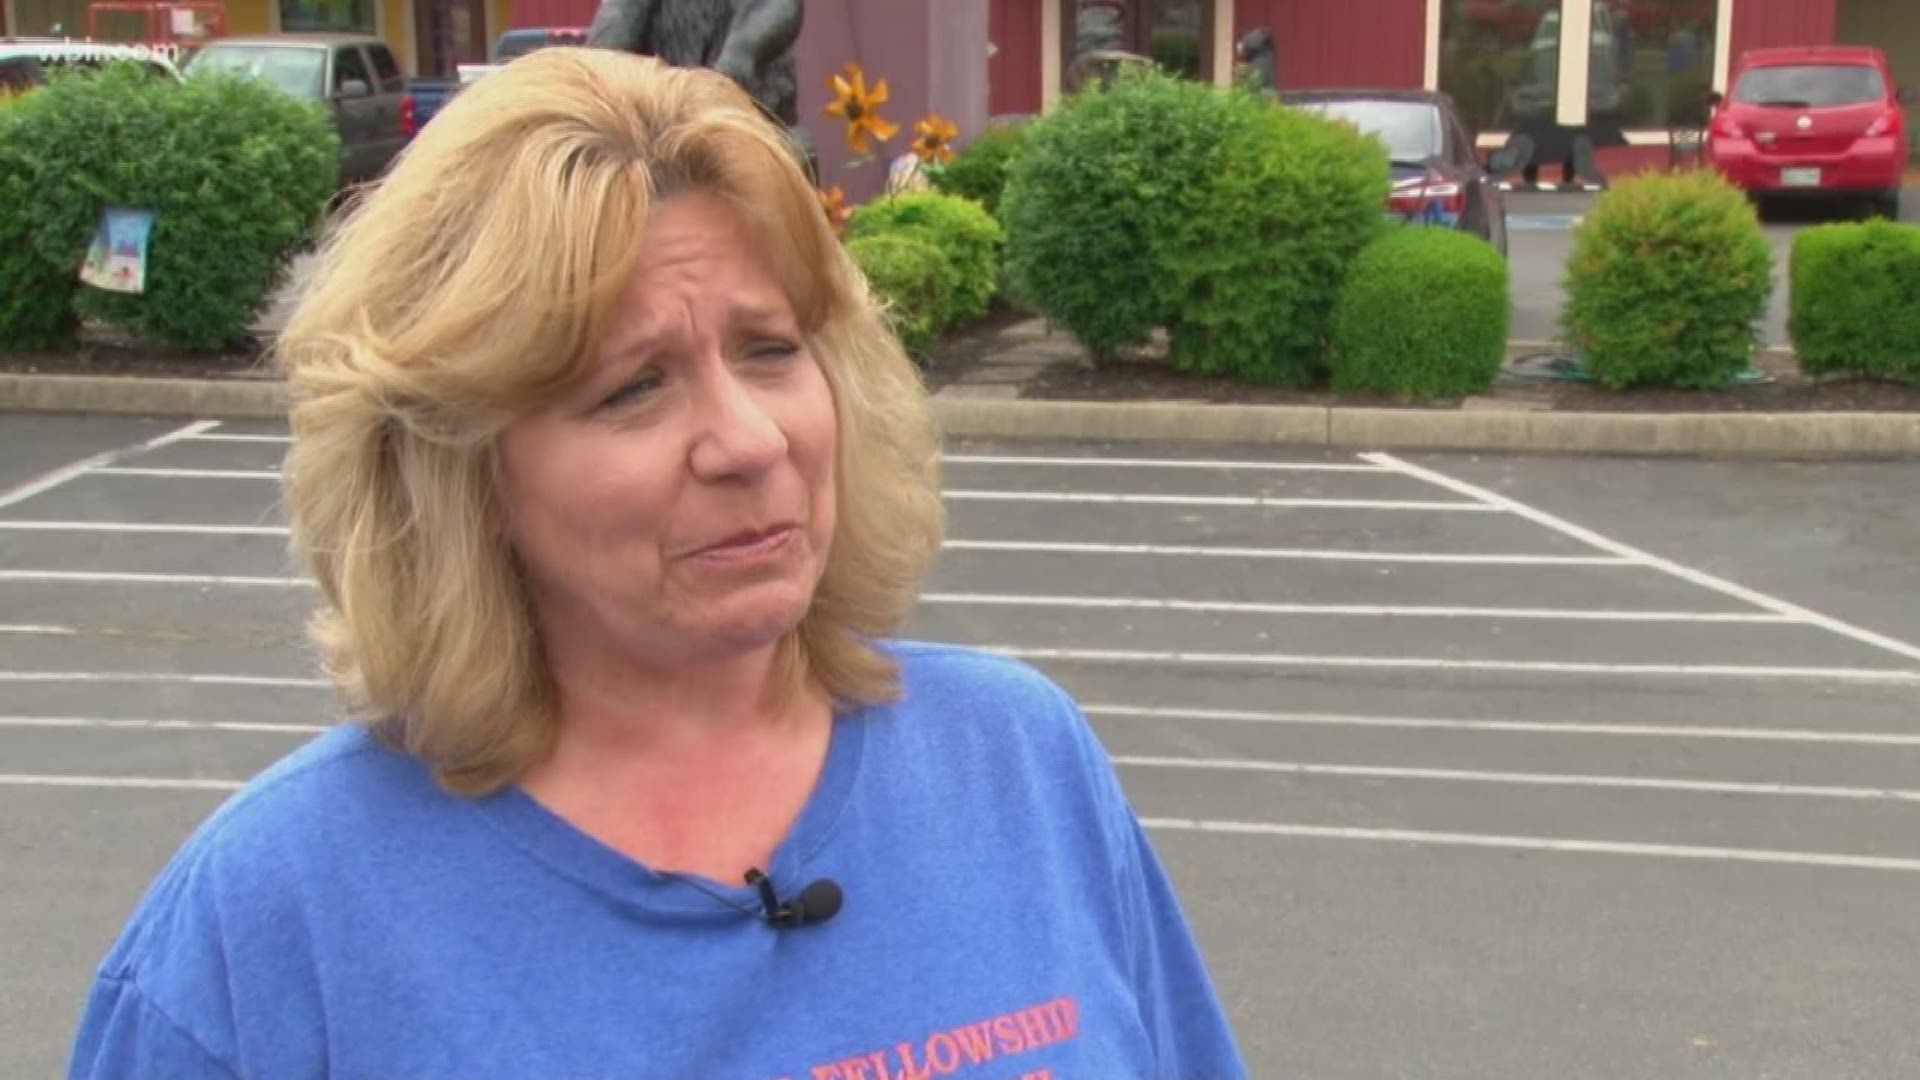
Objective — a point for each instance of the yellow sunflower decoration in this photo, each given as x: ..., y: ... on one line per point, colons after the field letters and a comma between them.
x: 859, y: 107
x: 833, y: 200
x: 935, y: 144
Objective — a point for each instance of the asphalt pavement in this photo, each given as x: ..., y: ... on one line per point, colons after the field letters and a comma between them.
x: 1465, y: 767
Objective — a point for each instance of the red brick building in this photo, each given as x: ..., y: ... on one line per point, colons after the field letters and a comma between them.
x: 1638, y: 67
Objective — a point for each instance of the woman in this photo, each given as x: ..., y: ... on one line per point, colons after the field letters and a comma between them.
x: 614, y: 484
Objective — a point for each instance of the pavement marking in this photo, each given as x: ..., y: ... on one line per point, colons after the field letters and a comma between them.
x: 97, y: 463
x: 1651, y: 561
x: 145, y: 527
x: 1534, y: 843
x: 965, y: 495
x: 29, y: 628
x: 143, y: 782
x: 241, y: 438
x: 84, y: 722
x: 161, y: 677
x: 1168, y: 463
x: 1524, y: 779
x: 194, y: 474
x: 1301, y: 554
x: 121, y: 578
x: 1389, y: 611
x: 1417, y: 663
x: 1526, y: 727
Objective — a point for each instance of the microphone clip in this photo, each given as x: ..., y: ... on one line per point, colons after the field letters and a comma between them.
x: 816, y: 903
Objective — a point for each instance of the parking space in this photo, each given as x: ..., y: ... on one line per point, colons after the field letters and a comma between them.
x: 1465, y: 767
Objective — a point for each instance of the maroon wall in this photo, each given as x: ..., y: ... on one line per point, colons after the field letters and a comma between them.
x: 1373, y: 43
x: 1765, y: 24
x: 1014, y: 75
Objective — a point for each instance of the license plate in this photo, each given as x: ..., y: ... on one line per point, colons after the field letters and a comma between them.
x: 1800, y: 177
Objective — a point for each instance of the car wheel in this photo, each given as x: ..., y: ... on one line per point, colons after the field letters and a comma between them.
x: 1888, y: 206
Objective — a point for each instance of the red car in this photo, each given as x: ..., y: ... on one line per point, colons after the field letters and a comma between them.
x: 1813, y: 122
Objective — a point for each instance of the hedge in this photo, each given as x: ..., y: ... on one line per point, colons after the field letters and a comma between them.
x: 1669, y: 275
x: 980, y: 171
x: 912, y: 278
x: 1856, y: 300
x: 237, y: 173
x: 1424, y: 315
x: 960, y: 228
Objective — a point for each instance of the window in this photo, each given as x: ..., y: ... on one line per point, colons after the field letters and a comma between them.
x: 1811, y: 86
x: 1500, y: 60
x: 348, y: 65
x: 1650, y: 62
x: 385, y: 67
x: 350, y: 16
x: 297, y: 71
x: 1411, y: 130
x: 1177, y: 35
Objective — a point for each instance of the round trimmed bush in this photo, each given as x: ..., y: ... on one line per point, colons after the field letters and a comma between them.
x: 912, y: 277
x: 980, y: 171
x: 1669, y: 275
x: 237, y: 173
x: 1424, y: 315
x: 1854, y: 300
x: 960, y: 228
x: 1213, y: 213
x: 1104, y: 176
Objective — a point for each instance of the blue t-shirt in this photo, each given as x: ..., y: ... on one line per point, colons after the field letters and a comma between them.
x: 1004, y: 919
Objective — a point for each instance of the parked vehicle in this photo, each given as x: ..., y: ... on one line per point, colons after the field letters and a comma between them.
x: 25, y: 62
x: 1823, y: 122
x: 354, y: 75
x: 519, y: 42
x: 1437, y: 177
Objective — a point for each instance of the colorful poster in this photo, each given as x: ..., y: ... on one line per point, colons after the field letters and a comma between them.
x: 117, y: 259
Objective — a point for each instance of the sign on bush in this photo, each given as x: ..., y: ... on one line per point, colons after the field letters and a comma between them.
x: 117, y: 258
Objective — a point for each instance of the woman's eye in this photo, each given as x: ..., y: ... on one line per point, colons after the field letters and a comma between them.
x: 640, y: 386
x: 772, y: 349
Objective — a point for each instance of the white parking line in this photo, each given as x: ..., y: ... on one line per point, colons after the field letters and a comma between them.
x: 84, y: 723
x: 232, y: 437
x: 1523, y: 727
x: 30, y: 628
x: 123, y: 578
x: 96, y: 463
x: 1300, y: 554
x: 1129, y: 499
x: 1227, y: 607
x: 1533, y: 843
x: 1651, y: 561
x: 1475, y: 776
x: 1167, y: 463
x: 149, y: 783
x: 193, y: 474
x: 144, y: 527
x: 161, y: 677
x: 1140, y: 658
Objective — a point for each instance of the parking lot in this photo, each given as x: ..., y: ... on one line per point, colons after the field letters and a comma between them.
x: 1466, y: 767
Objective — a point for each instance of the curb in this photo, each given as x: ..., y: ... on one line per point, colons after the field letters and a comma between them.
x: 1506, y: 430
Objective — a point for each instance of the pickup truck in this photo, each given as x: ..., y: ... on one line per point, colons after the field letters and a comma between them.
x: 354, y: 75
x: 519, y: 42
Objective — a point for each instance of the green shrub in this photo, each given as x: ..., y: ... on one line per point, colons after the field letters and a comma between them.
x: 1258, y: 269
x: 1856, y: 300
x: 36, y: 293
x: 960, y: 228
x: 1669, y: 274
x: 1213, y: 213
x: 237, y: 173
x: 1424, y: 315
x: 980, y: 171
x: 1103, y: 177
x: 912, y: 277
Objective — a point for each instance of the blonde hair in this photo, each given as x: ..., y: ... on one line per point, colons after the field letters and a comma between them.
x: 470, y: 286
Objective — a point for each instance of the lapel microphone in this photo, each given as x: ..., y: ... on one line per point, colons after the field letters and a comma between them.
x: 817, y: 903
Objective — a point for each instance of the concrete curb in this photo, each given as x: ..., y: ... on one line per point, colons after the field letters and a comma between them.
x: 1515, y: 430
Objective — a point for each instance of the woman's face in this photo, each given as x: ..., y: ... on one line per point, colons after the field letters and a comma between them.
x: 676, y: 507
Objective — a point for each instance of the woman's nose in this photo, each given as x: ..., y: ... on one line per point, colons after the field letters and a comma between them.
x: 738, y: 434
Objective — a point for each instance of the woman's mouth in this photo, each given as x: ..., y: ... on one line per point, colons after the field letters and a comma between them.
x: 747, y: 546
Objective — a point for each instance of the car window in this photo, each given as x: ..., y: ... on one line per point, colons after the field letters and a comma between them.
x: 1811, y: 86
x: 348, y: 64
x: 519, y: 44
x: 296, y: 71
x: 385, y: 67
x: 1410, y: 129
